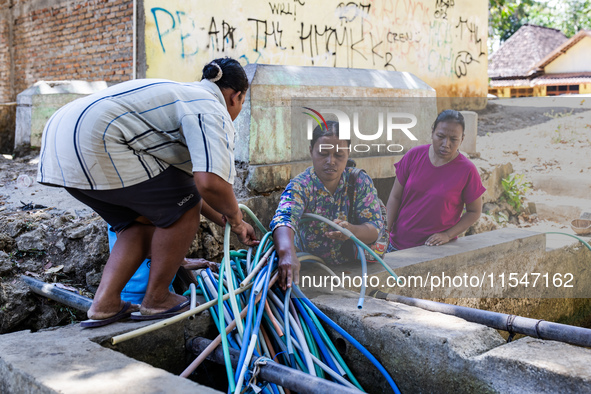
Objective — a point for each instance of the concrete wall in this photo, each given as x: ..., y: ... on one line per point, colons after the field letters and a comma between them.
x: 272, y: 129
x: 427, y: 352
x: 442, y: 42
x: 575, y: 59
x: 39, y: 102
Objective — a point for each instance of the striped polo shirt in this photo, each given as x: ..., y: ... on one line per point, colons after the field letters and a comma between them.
x: 132, y: 131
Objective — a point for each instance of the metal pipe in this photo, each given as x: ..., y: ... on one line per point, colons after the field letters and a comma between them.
x: 273, y: 372
x: 501, y: 321
x: 66, y: 297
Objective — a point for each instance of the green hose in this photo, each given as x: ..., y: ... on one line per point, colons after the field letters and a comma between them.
x: 253, y: 217
x: 574, y: 236
x: 312, y: 216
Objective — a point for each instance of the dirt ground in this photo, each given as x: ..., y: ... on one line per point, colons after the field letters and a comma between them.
x: 46, y: 234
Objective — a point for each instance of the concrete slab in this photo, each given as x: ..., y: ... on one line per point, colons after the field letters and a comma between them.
x: 75, y: 360
x: 269, y: 144
x: 423, y: 351
x: 471, y: 131
x: 535, y: 366
x: 37, y: 103
x: 497, y: 264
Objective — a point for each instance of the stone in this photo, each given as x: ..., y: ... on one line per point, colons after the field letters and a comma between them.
x: 32, y: 240
x: 6, y: 242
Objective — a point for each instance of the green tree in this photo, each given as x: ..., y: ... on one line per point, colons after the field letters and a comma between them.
x: 507, y: 16
x: 567, y: 16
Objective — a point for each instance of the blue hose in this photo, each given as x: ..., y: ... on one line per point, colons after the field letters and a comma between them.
x: 321, y: 346
x: 248, y: 325
x: 349, y: 338
x: 363, y: 277
x: 240, y: 371
x: 286, y: 325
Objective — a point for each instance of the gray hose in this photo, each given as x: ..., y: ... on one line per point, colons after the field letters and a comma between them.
x: 276, y: 373
x: 66, y: 297
x: 501, y: 321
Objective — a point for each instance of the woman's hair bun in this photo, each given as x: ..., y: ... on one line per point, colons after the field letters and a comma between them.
x: 212, y: 72
x: 226, y: 73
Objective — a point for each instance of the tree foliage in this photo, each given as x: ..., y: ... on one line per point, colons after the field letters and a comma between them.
x: 507, y: 16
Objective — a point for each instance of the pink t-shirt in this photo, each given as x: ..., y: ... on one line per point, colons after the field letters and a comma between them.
x: 433, y: 198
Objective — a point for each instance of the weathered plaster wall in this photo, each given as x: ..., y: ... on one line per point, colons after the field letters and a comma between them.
x: 442, y: 42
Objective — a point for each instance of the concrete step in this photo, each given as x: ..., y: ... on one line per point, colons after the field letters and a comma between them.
x: 571, y: 185
x: 560, y: 209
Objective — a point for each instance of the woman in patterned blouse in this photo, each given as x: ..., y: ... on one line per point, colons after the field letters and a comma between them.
x: 322, y: 190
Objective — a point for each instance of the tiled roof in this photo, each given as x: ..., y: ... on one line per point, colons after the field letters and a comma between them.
x: 518, y: 56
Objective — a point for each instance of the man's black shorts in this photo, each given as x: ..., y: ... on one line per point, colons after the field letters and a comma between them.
x: 162, y: 200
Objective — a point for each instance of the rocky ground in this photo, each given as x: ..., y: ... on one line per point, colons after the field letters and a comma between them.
x: 46, y: 234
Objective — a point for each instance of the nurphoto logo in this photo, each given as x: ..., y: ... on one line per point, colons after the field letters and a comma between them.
x: 393, y: 124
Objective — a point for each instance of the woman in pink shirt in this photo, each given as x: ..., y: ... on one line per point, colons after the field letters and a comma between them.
x: 433, y: 183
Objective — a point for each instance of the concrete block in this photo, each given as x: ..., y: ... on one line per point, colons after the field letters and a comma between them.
x: 471, y: 121
x: 36, y: 104
x: 264, y: 127
x: 75, y: 360
x: 491, y: 176
x: 423, y: 351
x: 497, y: 264
x: 427, y: 352
x: 265, y: 178
x: 531, y: 365
x: 562, y: 185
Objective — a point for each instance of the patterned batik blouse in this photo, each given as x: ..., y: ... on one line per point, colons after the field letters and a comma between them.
x: 306, y: 194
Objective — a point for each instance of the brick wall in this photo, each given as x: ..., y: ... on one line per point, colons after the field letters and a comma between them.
x: 7, y: 112
x: 5, y: 85
x: 62, y: 40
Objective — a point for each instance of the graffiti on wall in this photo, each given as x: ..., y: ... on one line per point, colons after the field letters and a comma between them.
x: 438, y: 40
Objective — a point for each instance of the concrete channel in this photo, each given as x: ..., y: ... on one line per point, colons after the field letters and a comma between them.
x: 425, y: 352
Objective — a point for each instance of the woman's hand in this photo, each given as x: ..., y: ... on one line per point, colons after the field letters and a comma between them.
x: 289, y: 270
x: 366, y: 232
x: 438, y: 239
x: 289, y: 264
x: 337, y: 234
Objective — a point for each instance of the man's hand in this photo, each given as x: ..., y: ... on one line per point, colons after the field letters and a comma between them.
x: 195, y: 264
x: 245, y: 233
